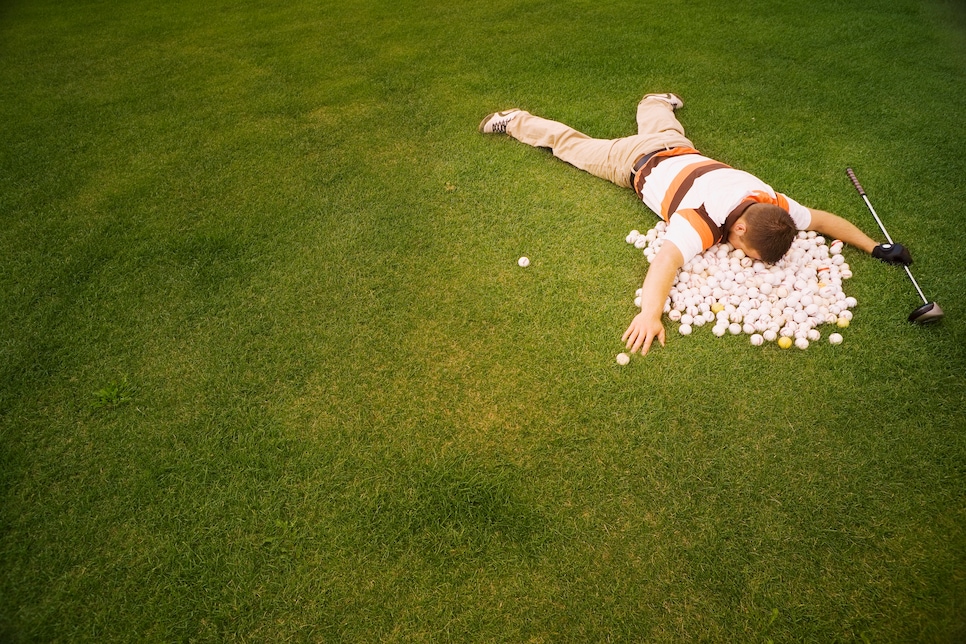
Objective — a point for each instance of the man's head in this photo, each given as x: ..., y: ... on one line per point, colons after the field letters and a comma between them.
x: 763, y: 232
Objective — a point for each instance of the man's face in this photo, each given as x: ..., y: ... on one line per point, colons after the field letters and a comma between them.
x: 736, y: 239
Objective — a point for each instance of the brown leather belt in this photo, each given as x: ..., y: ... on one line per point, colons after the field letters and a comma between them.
x: 641, y: 160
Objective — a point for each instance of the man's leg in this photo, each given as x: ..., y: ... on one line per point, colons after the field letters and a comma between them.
x: 656, y: 121
x: 604, y: 158
x: 610, y: 159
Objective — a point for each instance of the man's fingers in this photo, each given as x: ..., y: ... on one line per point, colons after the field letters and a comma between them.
x: 640, y: 335
x: 634, y: 342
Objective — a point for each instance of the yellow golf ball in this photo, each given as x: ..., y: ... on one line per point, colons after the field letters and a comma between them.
x: 842, y: 322
x: 784, y: 342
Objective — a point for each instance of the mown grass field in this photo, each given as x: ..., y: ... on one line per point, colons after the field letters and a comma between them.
x: 269, y: 370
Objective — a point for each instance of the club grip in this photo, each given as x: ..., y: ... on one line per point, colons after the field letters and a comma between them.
x: 855, y: 181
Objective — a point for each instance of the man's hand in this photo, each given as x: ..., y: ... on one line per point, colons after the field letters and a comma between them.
x: 642, y: 331
x: 646, y: 325
x: 893, y: 254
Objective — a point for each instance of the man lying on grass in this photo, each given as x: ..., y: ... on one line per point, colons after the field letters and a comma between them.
x: 704, y: 202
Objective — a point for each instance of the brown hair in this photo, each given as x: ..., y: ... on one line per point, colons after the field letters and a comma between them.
x: 770, y: 231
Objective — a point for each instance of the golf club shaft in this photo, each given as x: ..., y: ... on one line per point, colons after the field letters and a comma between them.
x: 916, y: 284
x: 858, y: 186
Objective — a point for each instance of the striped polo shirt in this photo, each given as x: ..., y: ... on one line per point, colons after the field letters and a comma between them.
x: 701, y: 198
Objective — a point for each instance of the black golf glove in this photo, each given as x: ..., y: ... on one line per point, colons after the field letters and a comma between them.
x: 893, y: 254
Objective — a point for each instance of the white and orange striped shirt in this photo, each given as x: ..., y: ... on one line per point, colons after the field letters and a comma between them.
x: 700, y: 198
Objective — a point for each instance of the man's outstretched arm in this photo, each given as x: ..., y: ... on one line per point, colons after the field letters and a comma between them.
x: 838, y: 228
x: 835, y: 227
x: 646, y: 325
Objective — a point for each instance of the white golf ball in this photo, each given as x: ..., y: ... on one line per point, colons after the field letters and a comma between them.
x: 835, y: 338
x: 524, y: 261
x: 623, y: 358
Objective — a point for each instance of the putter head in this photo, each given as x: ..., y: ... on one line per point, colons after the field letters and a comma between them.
x: 926, y: 314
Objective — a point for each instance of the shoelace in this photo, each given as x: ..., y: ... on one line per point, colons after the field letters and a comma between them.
x: 500, y: 127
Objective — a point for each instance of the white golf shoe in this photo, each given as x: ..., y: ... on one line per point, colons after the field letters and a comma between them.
x: 671, y: 99
x: 496, y: 123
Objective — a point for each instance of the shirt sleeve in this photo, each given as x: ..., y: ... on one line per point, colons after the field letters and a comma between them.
x: 685, y: 237
x: 799, y: 213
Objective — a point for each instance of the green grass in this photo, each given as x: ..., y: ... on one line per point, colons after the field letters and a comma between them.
x: 269, y: 371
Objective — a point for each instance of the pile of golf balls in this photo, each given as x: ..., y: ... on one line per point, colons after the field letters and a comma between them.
x: 734, y: 294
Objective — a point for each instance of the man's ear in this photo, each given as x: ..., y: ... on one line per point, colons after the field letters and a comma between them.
x: 739, y: 227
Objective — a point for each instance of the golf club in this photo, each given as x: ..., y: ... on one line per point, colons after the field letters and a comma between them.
x: 929, y: 311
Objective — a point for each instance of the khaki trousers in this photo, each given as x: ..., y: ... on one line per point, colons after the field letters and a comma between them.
x: 611, y: 159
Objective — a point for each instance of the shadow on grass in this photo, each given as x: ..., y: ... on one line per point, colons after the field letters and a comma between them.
x: 452, y: 507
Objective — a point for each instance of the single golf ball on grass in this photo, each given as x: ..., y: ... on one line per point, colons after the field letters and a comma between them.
x: 623, y: 359
x: 523, y: 261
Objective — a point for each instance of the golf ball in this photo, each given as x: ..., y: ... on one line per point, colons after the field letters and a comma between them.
x: 835, y: 338
x: 524, y: 261
x: 623, y: 359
